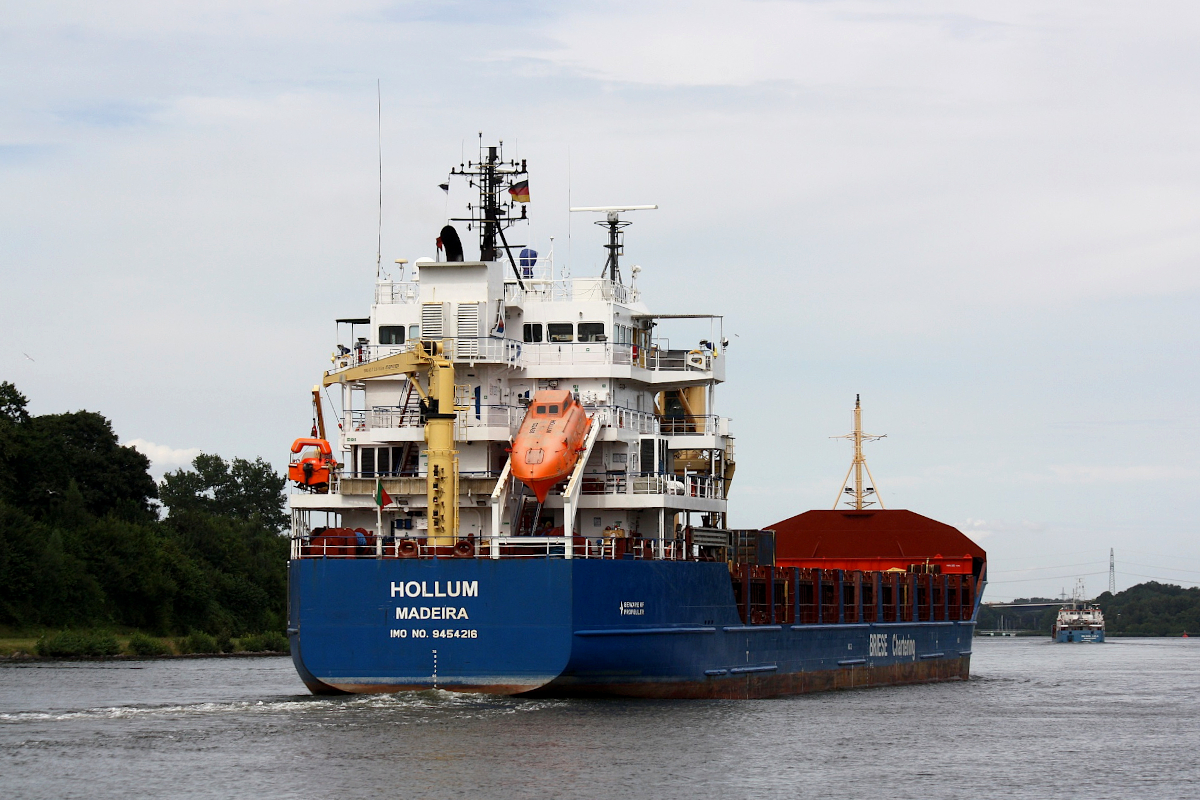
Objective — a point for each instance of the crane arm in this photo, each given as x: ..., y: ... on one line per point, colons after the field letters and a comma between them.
x: 400, y: 364
x: 320, y: 417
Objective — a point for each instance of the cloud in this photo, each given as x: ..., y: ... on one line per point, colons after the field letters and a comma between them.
x: 1096, y: 473
x: 162, y: 457
x: 982, y: 218
x: 980, y: 529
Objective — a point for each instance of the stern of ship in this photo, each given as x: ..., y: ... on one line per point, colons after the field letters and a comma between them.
x: 363, y: 625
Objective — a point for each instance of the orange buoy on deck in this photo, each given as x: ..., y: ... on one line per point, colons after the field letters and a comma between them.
x: 550, y: 440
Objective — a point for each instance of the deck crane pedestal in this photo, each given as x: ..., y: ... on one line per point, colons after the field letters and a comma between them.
x: 438, y: 415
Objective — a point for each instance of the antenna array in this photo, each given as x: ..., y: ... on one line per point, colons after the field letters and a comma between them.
x: 492, y: 176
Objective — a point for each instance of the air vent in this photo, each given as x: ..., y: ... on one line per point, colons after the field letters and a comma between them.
x: 433, y: 317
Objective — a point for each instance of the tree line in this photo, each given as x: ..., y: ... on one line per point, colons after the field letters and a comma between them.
x: 89, y: 540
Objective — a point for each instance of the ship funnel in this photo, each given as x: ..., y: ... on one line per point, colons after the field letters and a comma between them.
x: 449, y: 241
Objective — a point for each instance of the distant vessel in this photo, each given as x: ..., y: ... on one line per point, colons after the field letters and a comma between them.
x: 1078, y: 621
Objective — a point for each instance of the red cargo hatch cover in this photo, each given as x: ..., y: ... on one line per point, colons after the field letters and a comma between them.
x: 880, y: 539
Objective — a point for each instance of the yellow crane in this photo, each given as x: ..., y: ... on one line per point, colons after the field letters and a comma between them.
x: 438, y: 413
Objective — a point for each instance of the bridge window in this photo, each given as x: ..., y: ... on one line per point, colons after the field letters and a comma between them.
x: 561, y: 332
x: 414, y: 332
x: 373, y: 461
x: 391, y: 334
x: 592, y: 332
x: 533, y: 331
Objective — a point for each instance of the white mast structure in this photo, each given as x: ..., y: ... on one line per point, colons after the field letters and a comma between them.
x: 858, y: 465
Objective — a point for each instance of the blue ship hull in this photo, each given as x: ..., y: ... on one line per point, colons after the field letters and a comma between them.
x: 1079, y: 636
x: 582, y: 627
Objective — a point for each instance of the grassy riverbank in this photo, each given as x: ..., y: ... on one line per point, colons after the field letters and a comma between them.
x: 106, y: 644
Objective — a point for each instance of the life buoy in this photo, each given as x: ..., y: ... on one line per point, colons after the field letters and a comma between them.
x: 695, y: 358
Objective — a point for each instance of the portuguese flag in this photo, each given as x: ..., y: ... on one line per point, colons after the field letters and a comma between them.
x: 382, y: 498
x: 520, y: 192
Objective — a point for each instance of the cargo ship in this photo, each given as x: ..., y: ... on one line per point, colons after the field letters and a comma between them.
x: 1078, y: 620
x: 527, y: 494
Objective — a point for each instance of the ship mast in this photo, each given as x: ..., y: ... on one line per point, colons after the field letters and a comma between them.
x: 859, y: 493
x: 492, y: 176
x: 616, y: 236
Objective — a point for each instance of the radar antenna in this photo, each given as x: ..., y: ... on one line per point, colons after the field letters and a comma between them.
x: 859, y: 493
x: 493, y: 175
x: 616, y: 235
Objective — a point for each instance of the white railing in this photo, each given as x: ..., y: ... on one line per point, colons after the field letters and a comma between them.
x: 569, y: 289
x: 654, y: 358
x: 703, y: 486
x: 393, y: 416
x: 491, y: 417
x: 487, y: 416
x: 397, y: 292
x: 620, y: 417
x: 485, y: 349
x: 347, y: 545
x: 560, y: 353
x: 368, y: 353
x: 480, y: 349
x: 697, y: 425
x: 661, y: 358
x: 464, y: 474
x: 495, y: 350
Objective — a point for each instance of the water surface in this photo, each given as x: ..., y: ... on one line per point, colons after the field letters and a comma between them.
x: 1037, y: 720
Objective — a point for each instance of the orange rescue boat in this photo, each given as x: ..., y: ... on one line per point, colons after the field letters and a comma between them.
x: 311, y: 468
x: 550, y: 440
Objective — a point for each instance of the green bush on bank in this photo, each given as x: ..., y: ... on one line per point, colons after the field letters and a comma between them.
x: 78, y: 644
x: 198, y: 642
x: 263, y: 643
x: 142, y: 645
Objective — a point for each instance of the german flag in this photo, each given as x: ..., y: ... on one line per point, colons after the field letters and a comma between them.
x: 520, y: 192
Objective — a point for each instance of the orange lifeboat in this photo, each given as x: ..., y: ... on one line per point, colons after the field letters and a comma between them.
x: 309, y: 468
x: 550, y: 440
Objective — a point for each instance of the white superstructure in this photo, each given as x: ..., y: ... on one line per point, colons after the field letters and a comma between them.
x: 659, y: 458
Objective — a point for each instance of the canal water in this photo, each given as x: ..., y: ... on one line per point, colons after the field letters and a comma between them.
x: 1036, y: 720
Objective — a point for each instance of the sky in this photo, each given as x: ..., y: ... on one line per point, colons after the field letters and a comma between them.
x: 982, y: 217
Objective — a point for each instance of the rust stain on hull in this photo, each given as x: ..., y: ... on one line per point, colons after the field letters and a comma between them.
x: 737, y: 687
x: 750, y: 687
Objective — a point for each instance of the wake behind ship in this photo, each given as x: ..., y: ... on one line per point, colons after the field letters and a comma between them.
x: 533, y: 500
